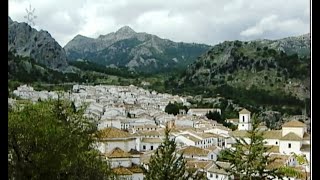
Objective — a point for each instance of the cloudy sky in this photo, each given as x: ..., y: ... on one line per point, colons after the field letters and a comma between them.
x: 199, y: 21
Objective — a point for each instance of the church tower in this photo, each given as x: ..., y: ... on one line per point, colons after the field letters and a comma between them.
x: 244, y: 120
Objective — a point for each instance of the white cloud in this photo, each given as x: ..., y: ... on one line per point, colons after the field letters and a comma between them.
x: 202, y: 21
x: 273, y: 23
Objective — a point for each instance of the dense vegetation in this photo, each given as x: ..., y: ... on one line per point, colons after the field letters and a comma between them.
x: 251, y: 74
x: 26, y: 70
x: 89, y: 66
x: 221, y: 118
x: 50, y: 140
x: 174, y: 108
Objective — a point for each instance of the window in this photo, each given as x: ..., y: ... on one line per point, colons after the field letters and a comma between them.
x: 151, y: 147
x: 144, y: 147
x: 289, y: 145
x: 276, y: 142
x: 217, y: 176
x: 242, y: 125
x: 211, y: 175
x: 211, y: 156
x: 242, y: 118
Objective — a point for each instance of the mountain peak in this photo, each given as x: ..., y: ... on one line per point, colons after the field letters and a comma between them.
x: 9, y: 19
x: 126, y: 30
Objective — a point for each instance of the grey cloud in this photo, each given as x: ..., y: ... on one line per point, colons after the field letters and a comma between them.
x: 201, y: 21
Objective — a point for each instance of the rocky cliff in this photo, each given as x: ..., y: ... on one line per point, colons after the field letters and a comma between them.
x: 39, y: 45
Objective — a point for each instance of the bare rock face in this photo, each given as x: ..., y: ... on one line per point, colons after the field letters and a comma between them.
x: 39, y: 45
x: 137, y: 51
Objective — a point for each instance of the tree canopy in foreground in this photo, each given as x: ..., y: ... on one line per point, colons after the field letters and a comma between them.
x: 49, y: 140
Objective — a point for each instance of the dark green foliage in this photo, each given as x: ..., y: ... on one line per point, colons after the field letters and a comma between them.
x: 173, y: 108
x: 215, y: 116
x: 227, y: 112
x: 48, y: 140
x: 255, y: 96
x: 26, y: 70
x: 90, y: 66
x: 166, y: 164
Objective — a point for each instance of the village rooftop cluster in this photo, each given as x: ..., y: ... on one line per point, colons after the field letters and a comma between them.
x: 131, y: 122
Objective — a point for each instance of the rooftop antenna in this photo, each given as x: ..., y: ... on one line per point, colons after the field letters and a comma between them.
x: 30, y: 16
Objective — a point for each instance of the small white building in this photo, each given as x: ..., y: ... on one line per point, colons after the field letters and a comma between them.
x: 214, y: 173
x: 244, y: 120
x: 150, y: 144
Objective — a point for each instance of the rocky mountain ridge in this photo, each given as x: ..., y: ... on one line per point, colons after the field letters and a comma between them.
x: 39, y: 45
x: 260, y: 73
x: 138, y: 51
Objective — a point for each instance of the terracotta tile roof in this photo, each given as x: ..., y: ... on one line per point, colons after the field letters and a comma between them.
x: 207, y: 135
x: 193, y: 151
x: 212, y: 148
x: 192, y: 138
x: 240, y: 133
x: 222, y: 127
x: 197, y: 164
x: 135, y: 169
x: 291, y: 137
x: 280, y: 161
x: 215, y: 169
x: 112, y: 132
x: 305, y: 148
x: 118, y: 153
x: 306, y: 136
x: 244, y: 111
x: 145, y: 157
x: 122, y: 171
x: 272, y: 134
x: 134, y: 152
x: 294, y: 123
x: 151, y: 140
x: 274, y: 149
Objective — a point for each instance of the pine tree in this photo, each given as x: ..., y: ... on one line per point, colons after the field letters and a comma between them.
x: 250, y: 160
x: 165, y: 164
